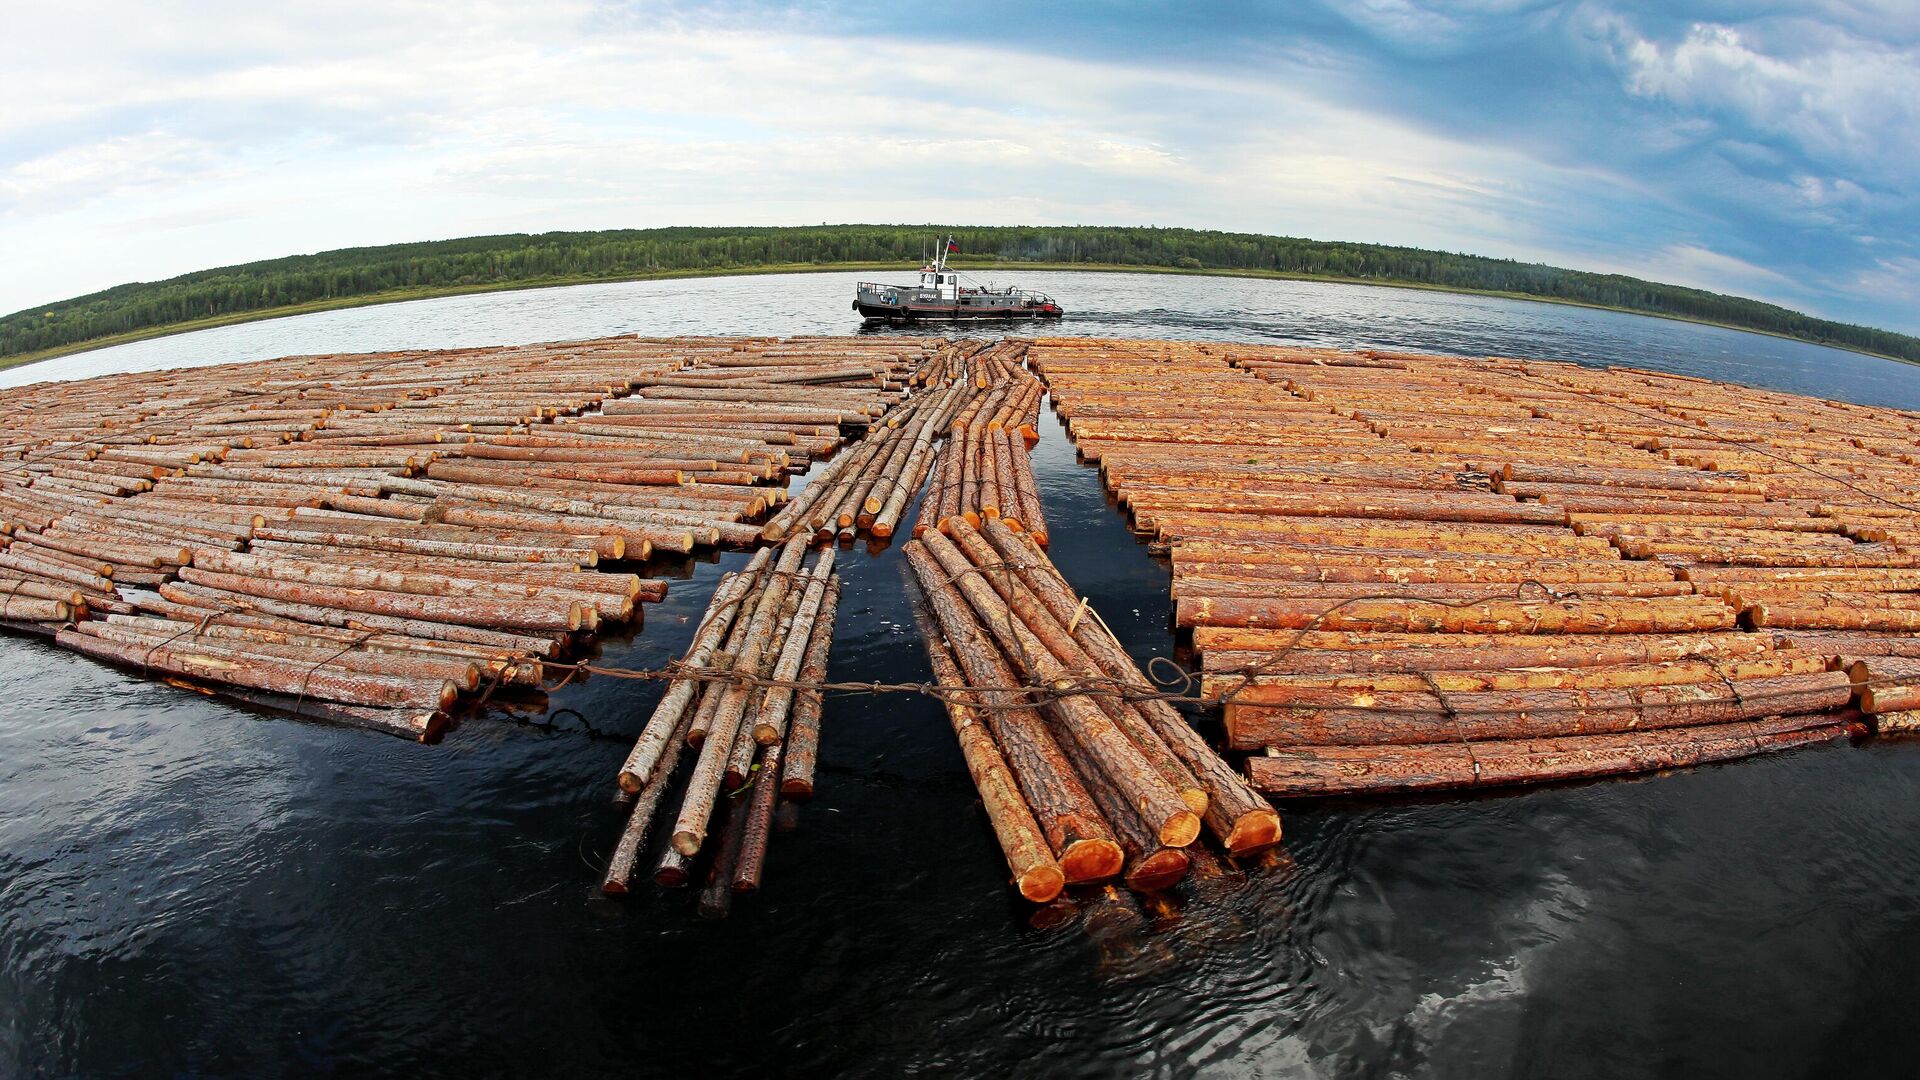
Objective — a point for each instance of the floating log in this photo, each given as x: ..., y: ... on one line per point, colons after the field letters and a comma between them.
x: 1080, y: 838
x: 803, y: 722
x: 1036, y: 874
x: 1320, y: 771
x: 1095, y: 734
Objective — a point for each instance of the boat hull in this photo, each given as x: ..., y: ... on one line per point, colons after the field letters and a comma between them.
x: 905, y: 313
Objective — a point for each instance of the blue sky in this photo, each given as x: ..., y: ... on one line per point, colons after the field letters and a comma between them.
x: 1767, y: 148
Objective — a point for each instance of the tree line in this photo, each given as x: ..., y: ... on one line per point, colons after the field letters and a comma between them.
x: 499, y: 261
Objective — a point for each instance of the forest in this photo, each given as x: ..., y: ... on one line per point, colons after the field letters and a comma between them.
x: 367, y: 274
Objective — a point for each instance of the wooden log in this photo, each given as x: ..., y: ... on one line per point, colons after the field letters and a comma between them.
x: 1036, y: 873
x: 35, y: 609
x: 1887, y: 683
x: 1236, y: 814
x: 1612, y: 615
x: 294, y: 679
x: 676, y: 704
x: 331, y: 655
x: 1321, y: 771
x: 803, y: 724
x: 1004, y: 578
x: 557, y: 591
x: 11, y: 586
x: 690, y: 828
x: 1000, y: 494
x: 716, y: 897
x: 1095, y: 734
x: 1080, y: 838
x: 1151, y: 864
x: 1791, y: 616
x: 646, y: 807
x: 758, y: 828
x: 1270, y: 689
x: 1339, y: 716
x: 914, y: 473
x: 477, y: 611
x: 1031, y: 518
x: 770, y: 718
x: 51, y: 570
x: 221, y: 600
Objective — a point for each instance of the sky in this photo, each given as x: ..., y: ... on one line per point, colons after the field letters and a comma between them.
x: 1766, y: 148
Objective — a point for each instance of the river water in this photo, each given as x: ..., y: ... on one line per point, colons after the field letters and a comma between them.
x: 192, y: 888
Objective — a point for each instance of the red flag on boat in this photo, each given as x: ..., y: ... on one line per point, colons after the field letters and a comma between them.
x: 951, y: 246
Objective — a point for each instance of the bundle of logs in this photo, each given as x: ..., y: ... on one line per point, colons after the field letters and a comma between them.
x: 1405, y: 572
x: 346, y: 536
x: 985, y: 472
x: 971, y: 386
x: 1085, y: 772
x: 746, y: 700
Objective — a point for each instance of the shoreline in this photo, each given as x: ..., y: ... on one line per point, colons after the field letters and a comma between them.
x: 436, y: 292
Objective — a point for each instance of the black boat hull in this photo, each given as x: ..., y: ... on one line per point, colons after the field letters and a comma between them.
x: 905, y: 313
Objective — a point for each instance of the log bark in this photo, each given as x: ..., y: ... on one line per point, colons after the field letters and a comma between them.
x: 1036, y: 873
x: 646, y: 807
x: 803, y: 723
x: 759, y: 823
x: 1341, y: 717
x: 1236, y: 814
x: 1079, y: 837
x: 1612, y: 615
x: 1005, y: 579
x: 1321, y: 771
x: 770, y: 719
x: 690, y: 829
x: 1095, y: 734
x: 513, y: 615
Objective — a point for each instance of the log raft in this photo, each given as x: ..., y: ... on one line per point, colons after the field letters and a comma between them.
x: 1408, y: 572
x: 745, y: 701
x: 348, y: 529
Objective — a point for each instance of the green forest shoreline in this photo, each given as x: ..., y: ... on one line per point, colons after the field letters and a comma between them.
x: 360, y: 277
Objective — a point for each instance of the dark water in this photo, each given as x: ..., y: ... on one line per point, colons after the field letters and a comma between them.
x: 191, y: 888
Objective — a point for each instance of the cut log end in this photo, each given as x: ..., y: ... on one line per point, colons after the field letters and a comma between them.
x: 687, y: 842
x: 797, y: 788
x: 1253, y: 831
x: 1084, y: 861
x: 1180, y: 829
x: 1195, y: 798
x: 1042, y: 883
x: 1159, y: 870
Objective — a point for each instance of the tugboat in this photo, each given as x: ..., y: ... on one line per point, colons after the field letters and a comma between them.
x: 941, y: 297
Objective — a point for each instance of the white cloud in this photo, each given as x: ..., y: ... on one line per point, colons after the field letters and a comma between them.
x: 218, y: 132
x: 1839, y: 99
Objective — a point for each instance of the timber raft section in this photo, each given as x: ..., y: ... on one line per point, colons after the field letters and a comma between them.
x: 1399, y: 572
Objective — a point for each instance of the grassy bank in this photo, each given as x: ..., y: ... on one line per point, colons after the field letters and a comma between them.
x: 395, y: 296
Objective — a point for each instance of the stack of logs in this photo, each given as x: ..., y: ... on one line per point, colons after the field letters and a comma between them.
x: 1094, y: 777
x: 747, y: 700
x: 1407, y: 572
x: 980, y: 399
x: 870, y: 486
x: 985, y: 472
x: 350, y: 536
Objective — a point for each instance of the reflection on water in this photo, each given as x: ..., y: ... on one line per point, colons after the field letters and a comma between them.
x: 191, y: 887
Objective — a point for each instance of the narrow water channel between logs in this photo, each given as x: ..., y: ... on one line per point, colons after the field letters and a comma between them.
x: 188, y: 887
